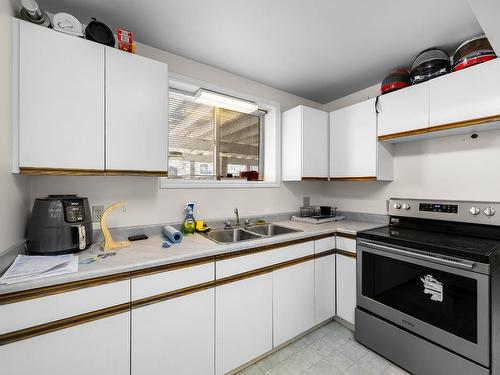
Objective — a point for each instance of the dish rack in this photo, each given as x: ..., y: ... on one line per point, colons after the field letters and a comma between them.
x: 316, y: 211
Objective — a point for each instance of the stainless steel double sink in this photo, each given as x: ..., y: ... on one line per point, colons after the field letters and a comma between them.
x: 247, y: 233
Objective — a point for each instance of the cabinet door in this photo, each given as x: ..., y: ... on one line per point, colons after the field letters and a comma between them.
x: 98, y: 347
x: 404, y: 110
x: 166, y: 335
x: 346, y: 287
x: 61, y: 100
x: 353, y: 141
x: 293, y: 301
x: 468, y: 94
x: 244, y: 330
x: 314, y: 143
x: 136, y: 113
x: 291, y: 144
x: 324, y: 288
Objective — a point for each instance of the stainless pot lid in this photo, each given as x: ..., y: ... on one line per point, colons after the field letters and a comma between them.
x: 31, y: 12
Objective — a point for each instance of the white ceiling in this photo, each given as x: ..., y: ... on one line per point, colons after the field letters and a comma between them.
x: 317, y: 49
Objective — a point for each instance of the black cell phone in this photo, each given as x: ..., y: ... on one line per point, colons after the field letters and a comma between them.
x: 138, y: 237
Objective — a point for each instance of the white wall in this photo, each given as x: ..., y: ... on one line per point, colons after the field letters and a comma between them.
x: 147, y: 204
x: 453, y: 167
x: 14, y: 190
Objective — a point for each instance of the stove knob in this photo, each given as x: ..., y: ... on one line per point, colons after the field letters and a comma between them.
x: 397, y: 205
x: 489, y: 211
x: 474, y: 211
x: 406, y: 206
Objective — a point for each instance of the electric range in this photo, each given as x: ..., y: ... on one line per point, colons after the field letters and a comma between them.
x: 428, y: 287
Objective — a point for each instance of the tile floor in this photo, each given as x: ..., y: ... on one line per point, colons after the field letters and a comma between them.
x: 331, y: 350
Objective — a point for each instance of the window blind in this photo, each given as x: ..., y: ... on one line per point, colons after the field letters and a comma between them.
x: 191, y: 138
x: 207, y: 142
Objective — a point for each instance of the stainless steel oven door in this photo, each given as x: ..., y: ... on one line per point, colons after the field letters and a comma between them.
x: 442, y: 300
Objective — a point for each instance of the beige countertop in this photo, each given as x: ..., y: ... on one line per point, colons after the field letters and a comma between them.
x: 149, y: 253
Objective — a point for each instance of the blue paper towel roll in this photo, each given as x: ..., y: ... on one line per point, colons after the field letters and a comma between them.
x: 172, y: 234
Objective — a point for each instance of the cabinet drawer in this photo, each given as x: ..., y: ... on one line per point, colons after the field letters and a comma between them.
x: 245, y: 263
x: 324, y: 244
x: 33, y: 312
x: 163, y: 282
x: 346, y: 244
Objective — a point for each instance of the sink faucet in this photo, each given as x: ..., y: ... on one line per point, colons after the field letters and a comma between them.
x: 237, y: 213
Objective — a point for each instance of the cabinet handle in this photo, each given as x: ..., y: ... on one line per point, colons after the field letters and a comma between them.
x: 376, y: 105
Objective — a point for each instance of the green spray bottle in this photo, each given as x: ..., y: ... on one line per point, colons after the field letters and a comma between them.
x: 189, y: 225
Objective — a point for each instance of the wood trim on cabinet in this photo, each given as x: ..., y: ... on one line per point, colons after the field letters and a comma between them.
x: 60, y: 288
x: 360, y: 178
x: 346, y: 235
x: 60, y: 171
x: 118, y: 172
x: 172, y: 294
x: 57, y: 325
x: 437, y: 128
x: 314, y: 178
x: 263, y: 270
x: 259, y: 249
x: 88, y: 172
x: 41, y: 329
x: 230, y: 279
x: 346, y: 253
x: 324, y: 254
x: 171, y: 266
x: 87, y: 283
x: 408, y: 133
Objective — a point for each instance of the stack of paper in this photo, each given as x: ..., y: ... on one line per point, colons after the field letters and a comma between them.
x: 33, y: 267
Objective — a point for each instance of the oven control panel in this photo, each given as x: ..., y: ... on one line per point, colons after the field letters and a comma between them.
x: 463, y: 211
x: 439, y: 207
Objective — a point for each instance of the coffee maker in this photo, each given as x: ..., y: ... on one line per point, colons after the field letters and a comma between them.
x: 60, y: 224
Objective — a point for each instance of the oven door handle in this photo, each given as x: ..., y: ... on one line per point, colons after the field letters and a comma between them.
x: 453, y: 263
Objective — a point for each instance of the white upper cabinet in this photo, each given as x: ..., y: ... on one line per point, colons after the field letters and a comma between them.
x: 59, y: 83
x: 80, y: 107
x: 404, y: 110
x: 469, y: 94
x: 304, y: 144
x: 136, y: 113
x: 354, y: 150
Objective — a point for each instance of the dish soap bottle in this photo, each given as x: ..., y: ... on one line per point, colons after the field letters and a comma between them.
x: 189, y: 225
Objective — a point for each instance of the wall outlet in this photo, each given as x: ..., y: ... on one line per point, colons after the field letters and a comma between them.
x: 97, y: 212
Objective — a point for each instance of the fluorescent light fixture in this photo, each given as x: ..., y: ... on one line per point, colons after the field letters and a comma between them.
x: 224, y: 101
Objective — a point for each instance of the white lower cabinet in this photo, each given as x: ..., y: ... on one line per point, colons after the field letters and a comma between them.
x: 293, y: 301
x: 98, y: 347
x: 324, y: 288
x: 175, y: 336
x: 244, y: 318
x: 346, y: 287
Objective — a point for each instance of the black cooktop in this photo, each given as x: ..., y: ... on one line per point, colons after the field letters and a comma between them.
x: 475, y: 242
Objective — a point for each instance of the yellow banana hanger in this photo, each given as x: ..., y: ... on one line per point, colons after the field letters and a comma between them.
x: 109, y: 244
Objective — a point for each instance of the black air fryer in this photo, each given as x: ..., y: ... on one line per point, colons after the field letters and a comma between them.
x: 60, y: 224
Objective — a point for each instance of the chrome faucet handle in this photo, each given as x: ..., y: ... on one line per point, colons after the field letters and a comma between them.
x: 237, y: 213
x: 247, y: 221
x: 227, y: 224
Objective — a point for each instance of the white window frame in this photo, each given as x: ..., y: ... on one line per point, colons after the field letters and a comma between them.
x: 272, y: 140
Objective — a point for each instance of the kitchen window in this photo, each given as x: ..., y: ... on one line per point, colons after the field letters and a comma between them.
x: 212, y: 145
